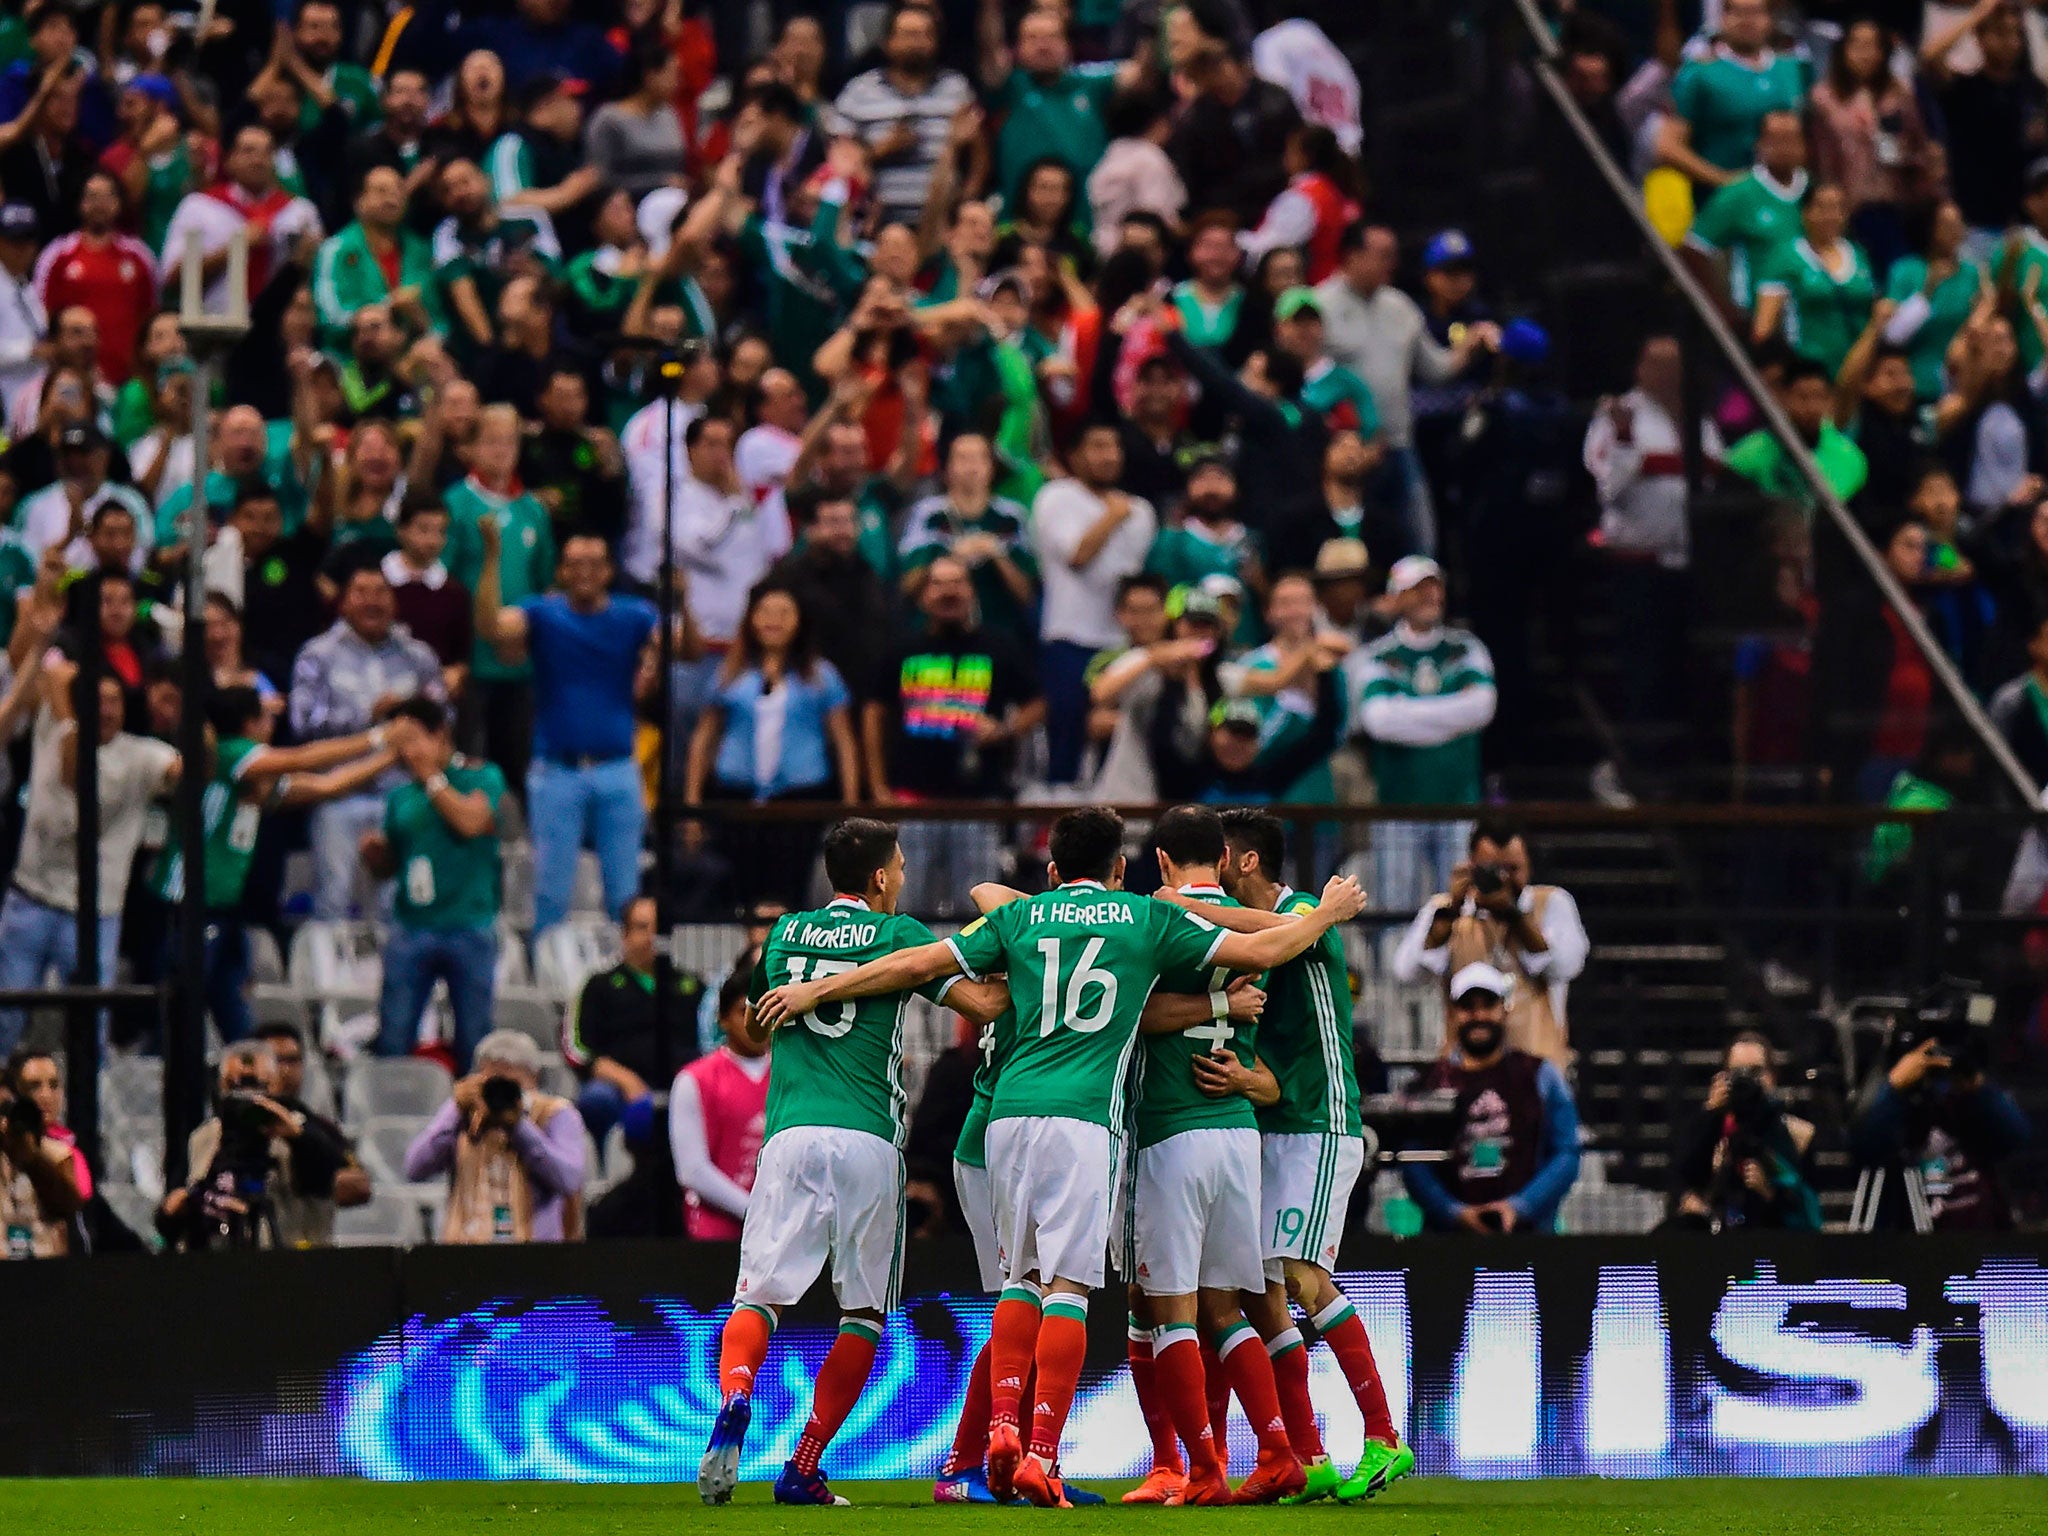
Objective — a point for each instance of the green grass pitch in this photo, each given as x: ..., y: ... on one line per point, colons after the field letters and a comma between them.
x: 1877, y: 1506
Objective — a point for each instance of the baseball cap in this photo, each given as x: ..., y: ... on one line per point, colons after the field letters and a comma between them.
x: 1194, y: 603
x: 1235, y: 715
x: 1525, y: 341
x: 1225, y: 589
x: 1207, y: 456
x: 1410, y: 572
x: 1339, y: 558
x: 157, y: 88
x: 1449, y: 248
x: 17, y: 221
x: 1481, y: 977
x: 1293, y: 301
x: 547, y: 83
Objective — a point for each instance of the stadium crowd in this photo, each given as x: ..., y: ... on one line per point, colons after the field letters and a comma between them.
x: 1037, y: 406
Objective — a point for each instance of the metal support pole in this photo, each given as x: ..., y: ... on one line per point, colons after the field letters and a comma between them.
x: 185, y: 1051
x: 669, y: 373
x: 1692, y: 394
x: 82, y: 1023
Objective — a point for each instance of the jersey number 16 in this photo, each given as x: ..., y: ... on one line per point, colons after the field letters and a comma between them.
x: 1051, y: 1014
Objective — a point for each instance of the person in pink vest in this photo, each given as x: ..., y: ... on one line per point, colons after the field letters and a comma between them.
x: 717, y: 1114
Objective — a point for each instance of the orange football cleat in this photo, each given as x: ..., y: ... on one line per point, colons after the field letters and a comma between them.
x: 1005, y: 1451
x: 1207, y: 1488
x: 1160, y: 1487
x: 1041, y: 1487
x: 1274, y: 1478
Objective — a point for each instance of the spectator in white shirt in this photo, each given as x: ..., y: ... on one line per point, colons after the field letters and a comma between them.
x: 1492, y: 910
x: 1088, y: 536
x: 643, y: 441
x: 1636, y: 456
x: 1379, y: 333
x: 23, y: 324
x: 63, y: 511
x: 767, y: 452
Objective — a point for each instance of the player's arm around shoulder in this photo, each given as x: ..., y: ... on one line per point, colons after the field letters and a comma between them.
x: 991, y: 894
x: 1234, y: 919
x: 904, y: 971
x: 1343, y: 899
x: 1168, y: 1013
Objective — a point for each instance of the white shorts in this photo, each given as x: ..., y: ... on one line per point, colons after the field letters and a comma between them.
x: 1307, y: 1190
x: 1052, y: 1178
x: 1195, y: 1213
x: 824, y: 1192
x: 978, y: 1207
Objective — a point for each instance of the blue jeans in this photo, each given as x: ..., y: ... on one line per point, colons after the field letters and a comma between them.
x: 336, y: 830
x: 1412, y: 861
x: 1406, y: 488
x: 414, y: 959
x: 602, y: 1106
x: 35, y: 939
x: 1063, y: 677
x: 941, y: 861
x: 571, y: 809
x: 225, y: 976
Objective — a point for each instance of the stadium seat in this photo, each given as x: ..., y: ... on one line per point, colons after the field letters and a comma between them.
x: 395, y: 1085
x: 532, y: 1012
x: 573, y: 951
x: 133, y: 1087
x: 555, y: 1076
x: 381, y: 1143
x: 337, y: 968
x: 387, y: 1221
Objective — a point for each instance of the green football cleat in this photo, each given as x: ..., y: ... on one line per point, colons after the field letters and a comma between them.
x: 1378, y: 1469
x: 1323, y: 1482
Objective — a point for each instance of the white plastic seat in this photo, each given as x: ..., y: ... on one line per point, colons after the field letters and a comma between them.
x: 386, y: 1221
x: 378, y: 1086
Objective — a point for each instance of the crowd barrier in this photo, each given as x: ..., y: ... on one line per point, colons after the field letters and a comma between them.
x: 1503, y: 1359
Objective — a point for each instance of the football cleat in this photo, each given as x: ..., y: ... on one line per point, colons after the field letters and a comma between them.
x: 1209, y: 1488
x: 719, y: 1473
x: 1159, y: 1486
x: 967, y: 1486
x: 1379, y: 1469
x: 1081, y: 1497
x: 1040, y: 1485
x: 795, y: 1487
x: 1323, y: 1482
x: 1274, y: 1478
x: 1005, y: 1451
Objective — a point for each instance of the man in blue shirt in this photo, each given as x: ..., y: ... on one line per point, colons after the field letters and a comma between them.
x: 583, y: 788
x: 1515, y: 1152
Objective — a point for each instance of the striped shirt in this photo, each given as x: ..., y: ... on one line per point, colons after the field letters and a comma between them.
x: 871, y: 107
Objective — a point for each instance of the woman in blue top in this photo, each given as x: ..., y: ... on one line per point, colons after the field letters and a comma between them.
x: 776, y: 728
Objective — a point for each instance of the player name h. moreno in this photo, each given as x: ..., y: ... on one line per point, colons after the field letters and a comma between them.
x: 835, y: 935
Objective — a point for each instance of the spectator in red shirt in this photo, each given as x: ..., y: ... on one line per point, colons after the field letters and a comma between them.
x: 431, y: 603
x: 111, y: 274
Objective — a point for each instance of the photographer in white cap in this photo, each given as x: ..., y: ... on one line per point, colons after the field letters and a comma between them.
x: 1515, y: 1154
x: 1421, y: 694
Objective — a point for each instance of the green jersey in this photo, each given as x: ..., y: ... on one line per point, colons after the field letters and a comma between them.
x: 1761, y: 460
x: 1169, y: 1102
x: 231, y: 824
x: 1402, y: 665
x: 279, y: 472
x: 447, y: 883
x: 1185, y: 553
x: 1081, y: 961
x: 998, y: 1037
x: 1333, y: 391
x: 1205, y: 324
x: 349, y: 273
x: 355, y: 92
x: 1826, y: 306
x: 842, y: 1065
x: 2032, y: 257
x: 1749, y: 222
x: 1306, y: 1037
x: 1064, y: 118
x: 1949, y: 304
x: 526, y: 564
x: 933, y: 525
x: 1725, y: 100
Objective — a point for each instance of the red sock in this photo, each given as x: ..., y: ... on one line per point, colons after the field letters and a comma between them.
x: 840, y: 1379
x: 1011, y: 1344
x: 1177, y: 1360
x: 1158, y: 1422
x: 1216, y: 1389
x: 1250, y: 1374
x: 1345, y: 1334
x: 1062, y: 1349
x: 970, y: 1440
x: 1289, y: 1359
x: 742, y: 1347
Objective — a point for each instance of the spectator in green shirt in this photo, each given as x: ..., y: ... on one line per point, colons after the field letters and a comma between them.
x: 316, y: 35
x: 1935, y: 293
x: 1048, y: 105
x: 1819, y: 288
x: 1746, y: 222
x: 1807, y: 396
x: 440, y: 839
x: 1722, y: 96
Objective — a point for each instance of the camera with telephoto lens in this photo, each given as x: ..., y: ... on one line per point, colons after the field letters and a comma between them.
x: 1748, y: 1108
x: 22, y: 1116
x: 502, y: 1097
x: 1488, y: 879
x: 1957, y: 1016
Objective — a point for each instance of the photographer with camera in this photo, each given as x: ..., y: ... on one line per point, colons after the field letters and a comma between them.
x: 1492, y: 913
x: 1933, y: 1118
x: 44, y: 1182
x: 1516, y: 1152
x: 1741, y: 1163
x: 264, y: 1169
x: 514, y: 1155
